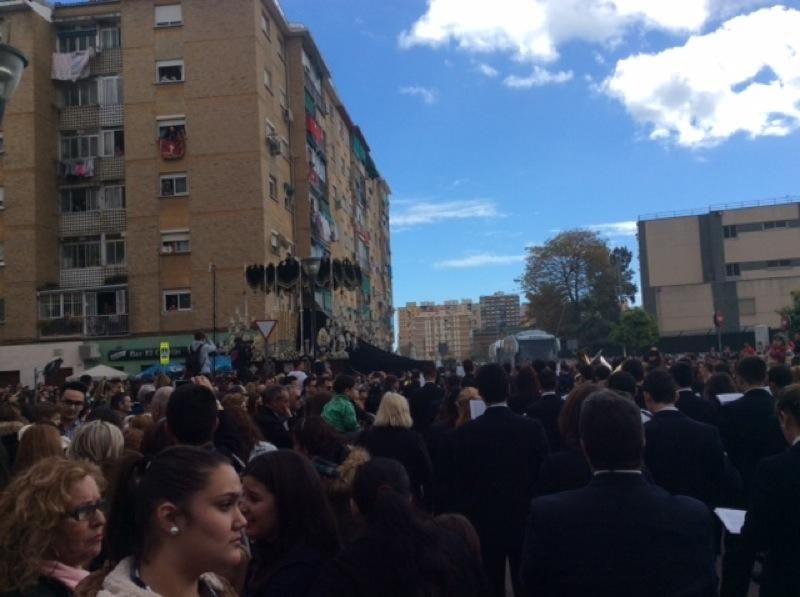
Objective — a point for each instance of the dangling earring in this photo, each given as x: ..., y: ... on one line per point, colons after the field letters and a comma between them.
x: 174, y: 531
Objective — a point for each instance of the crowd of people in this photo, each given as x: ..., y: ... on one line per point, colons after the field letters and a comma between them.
x: 569, y: 478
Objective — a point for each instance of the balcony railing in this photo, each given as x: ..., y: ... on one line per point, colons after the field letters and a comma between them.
x: 106, y: 62
x: 93, y: 326
x: 92, y: 277
x: 93, y: 222
x: 79, y: 117
x: 110, y: 168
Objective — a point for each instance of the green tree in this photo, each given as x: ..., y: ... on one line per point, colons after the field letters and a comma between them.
x: 576, y: 284
x: 637, y: 331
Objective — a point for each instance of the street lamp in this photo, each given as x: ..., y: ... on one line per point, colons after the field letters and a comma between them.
x: 12, y: 63
x: 311, y: 267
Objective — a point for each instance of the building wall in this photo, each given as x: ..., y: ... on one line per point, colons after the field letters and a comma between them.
x: 422, y: 328
x: 681, y: 264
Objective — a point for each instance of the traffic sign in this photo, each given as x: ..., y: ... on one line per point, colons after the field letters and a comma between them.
x: 266, y: 326
x: 163, y: 353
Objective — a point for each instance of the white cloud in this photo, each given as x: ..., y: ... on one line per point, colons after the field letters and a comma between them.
x: 487, y: 70
x: 616, y: 229
x: 426, y: 94
x: 743, y: 77
x: 539, y: 77
x: 532, y: 30
x: 420, y: 213
x: 478, y: 260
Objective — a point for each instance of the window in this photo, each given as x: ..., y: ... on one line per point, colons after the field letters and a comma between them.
x: 175, y: 242
x: 172, y: 129
x: 2, y: 310
x: 2, y: 197
x: 115, y: 250
x: 82, y: 93
x: 79, y: 253
x: 109, y: 38
x: 268, y: 79
x: 174, y: 185
x: 273, y: 187
x: 75, y: 147
x: 169, y: 71
x: 747, y: 306
x: 280, y: 49
x: 275, y: 243
x: 732, y: 269
x: 79, y: 200
x: 2, y: 144
x: 169, y: 15
x: 2, y: 255
x: 77, y: 40
x: 769, y: 225
x: 776, y: 263
x: 177, y: 300
x: 110, y: 93
x: 729, y: 231
x: 113, y: 197
x: 113, y: 143
x: 284, y: 98
x: 265, y: 24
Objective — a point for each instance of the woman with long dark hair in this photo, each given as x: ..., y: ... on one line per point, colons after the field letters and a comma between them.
x: 175, y: 521
x: 290, y: 523
x: 400, y: 553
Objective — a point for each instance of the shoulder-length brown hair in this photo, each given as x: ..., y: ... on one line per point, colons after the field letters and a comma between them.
x: 570, y: 414
x: 31, y: 508
x: 38, y: 441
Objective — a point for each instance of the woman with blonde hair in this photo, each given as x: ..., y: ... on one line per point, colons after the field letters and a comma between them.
x: 52, y: 522
x: 391, y: 436
x: 37, y: 442
x: 98, y: 442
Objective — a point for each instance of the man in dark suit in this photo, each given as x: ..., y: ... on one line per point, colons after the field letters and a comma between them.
x: 684, y: 456
x: 619, y: 535
x: 750, y: 429
x: 425, y: 402
x: 547, y: 407
x: 688, y: 402
x: 496, y: 461
x: 772, y: 524
x: 273, y: 417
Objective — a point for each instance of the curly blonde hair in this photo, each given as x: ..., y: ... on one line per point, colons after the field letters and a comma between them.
x: 31, y: 508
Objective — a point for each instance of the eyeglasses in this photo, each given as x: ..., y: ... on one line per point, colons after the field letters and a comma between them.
x: 83, y: 513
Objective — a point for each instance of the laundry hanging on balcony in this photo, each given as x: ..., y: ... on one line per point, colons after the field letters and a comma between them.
x: 72, y: 66
x: 315, y: 130
x: 77, y: 168
x: 173, y: 148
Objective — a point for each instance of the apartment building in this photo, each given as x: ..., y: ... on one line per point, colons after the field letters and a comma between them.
x: 742, y: 260
x: 500, y: 312
x: 431, y: 331
x: 154, y: 149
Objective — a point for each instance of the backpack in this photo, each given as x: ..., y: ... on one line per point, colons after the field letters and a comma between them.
x: 193, y: 363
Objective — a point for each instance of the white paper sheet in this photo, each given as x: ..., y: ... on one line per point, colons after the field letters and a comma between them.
x: 476, y: 408
x: 725, y: 398
x: 732, y: 519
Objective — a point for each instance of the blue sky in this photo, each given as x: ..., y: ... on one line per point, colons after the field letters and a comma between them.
x: 498, y: 124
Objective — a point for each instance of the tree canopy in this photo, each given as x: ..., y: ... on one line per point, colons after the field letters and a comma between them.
x: 576, y: 285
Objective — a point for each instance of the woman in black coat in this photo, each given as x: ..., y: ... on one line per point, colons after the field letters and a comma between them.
x: 391, y: 436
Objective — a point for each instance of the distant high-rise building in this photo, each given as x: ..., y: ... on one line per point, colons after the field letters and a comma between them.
x: 500, y: 312
x: 430, y: 331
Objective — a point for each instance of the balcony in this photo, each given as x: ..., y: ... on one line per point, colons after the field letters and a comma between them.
x: 106, y: 62
x: 112, y: 168
x: 94, y: 222
x: 69, y: 313
x: 92, y: 277
x: 93, y: 326
x: 79, y: 117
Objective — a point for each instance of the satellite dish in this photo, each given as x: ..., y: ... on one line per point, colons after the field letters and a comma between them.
x: 52, y: 367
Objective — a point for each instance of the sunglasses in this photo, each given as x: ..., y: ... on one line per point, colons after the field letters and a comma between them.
x: 83, y: 513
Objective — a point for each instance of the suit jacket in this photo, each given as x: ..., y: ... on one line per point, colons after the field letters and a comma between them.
x: 273, y: 428
x: 564, y: 470
x: 424, y: 405
x: 496, y: 461
x: 618, y: 536
x: 546, y: 409
x: 684, y: 456
x: 697, y: 408
x: 772, y: 525
x: 750, y: 433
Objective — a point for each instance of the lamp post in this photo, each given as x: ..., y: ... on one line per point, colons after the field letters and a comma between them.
x: 12, y: 63
x: 311, y: 267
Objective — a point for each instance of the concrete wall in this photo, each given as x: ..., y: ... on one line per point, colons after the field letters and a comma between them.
x: 674, y: 252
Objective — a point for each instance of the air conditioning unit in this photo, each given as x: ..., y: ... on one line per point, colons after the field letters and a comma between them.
x: 89, y: 352
x: 274, y: 144
x: 287, y: 115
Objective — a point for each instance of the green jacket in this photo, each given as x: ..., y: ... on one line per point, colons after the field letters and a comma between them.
x: 340, y: 412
